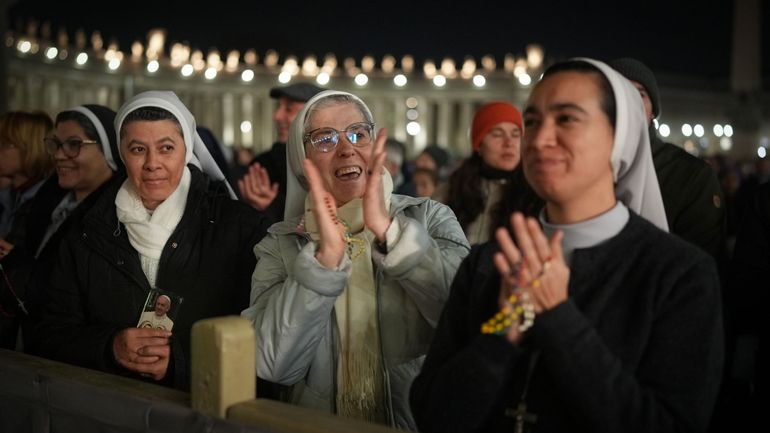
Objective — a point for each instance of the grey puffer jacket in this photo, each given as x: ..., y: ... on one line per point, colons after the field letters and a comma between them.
x: 293, y: 295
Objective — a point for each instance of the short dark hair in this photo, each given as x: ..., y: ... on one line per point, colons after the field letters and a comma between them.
x: 607, y: 97
x: 151, y: 114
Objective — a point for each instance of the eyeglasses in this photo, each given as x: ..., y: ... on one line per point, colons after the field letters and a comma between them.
x: 326, y: 139
x: 70, y: 147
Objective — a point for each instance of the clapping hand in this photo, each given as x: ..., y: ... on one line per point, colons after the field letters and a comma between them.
x: 376, y: 216
x: 536, y: 262
x: 332, y: 243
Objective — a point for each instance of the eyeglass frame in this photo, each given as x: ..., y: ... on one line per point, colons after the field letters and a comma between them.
x: 306, y: 137
x: 60, y: 145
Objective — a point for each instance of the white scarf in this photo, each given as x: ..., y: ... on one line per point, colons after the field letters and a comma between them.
x: 359, y: 369
x: 148, y: 231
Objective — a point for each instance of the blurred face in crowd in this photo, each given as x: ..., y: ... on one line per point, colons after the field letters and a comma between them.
x: 79, y: 161
x: 424, y: 182
x: 568, y: 140
x: 284, y: 114
x: 10, y: 159
x: 645, y: 100
x: 425, y: 161
x: 154, y: 154
x: 343, y: 166
x: 500, y: 147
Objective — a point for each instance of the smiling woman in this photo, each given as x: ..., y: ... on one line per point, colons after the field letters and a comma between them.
x: 152, y: 147
x: 347, y: 289
x: 81, y: 151
x: 597, y: 321
x: 172, y: 224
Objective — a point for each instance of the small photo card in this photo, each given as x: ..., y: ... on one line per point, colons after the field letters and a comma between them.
x: 160, y: 310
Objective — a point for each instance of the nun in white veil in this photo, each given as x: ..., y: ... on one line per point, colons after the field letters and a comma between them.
x: 598, y: 321
x: 172, y: 225
x: 347, y: 289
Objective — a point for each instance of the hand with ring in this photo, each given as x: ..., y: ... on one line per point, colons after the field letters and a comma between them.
x: 544, y: 273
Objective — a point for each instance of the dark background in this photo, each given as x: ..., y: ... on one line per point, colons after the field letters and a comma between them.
x: 672, y: 37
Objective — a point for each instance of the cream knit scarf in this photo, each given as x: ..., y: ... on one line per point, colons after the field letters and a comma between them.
x: 360, y: 381
x: 148, y: 231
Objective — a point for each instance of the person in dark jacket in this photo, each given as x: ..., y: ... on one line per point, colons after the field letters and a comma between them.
x: 608, y: 324
x: 746, y: 378
x: 169, y: 225
x: 83, y: 146
x: 484, y: 182
x: 691, y: 193
x: 264, y: 185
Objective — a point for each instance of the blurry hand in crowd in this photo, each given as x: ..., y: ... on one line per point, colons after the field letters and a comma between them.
x: 143, y: 350
x: 5, y: 248
x: 256, y: 188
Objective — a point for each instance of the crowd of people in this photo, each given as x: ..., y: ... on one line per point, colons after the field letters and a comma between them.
x: 572, y: 272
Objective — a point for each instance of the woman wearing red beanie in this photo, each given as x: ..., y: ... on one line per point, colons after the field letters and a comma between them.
x: 483, y: 183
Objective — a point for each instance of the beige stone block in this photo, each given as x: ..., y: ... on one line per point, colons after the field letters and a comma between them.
x: 223, y: 364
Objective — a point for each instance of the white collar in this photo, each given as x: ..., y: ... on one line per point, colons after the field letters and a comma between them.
x: 588, y: 233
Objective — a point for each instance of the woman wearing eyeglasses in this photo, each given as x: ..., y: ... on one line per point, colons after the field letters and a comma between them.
x: 81, y: 147
x: 348, y: 288
x: 172, y: 225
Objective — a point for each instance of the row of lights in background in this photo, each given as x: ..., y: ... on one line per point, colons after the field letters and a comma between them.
x: 723, y: 132
x: 190, y: 62
x: 764, y: 143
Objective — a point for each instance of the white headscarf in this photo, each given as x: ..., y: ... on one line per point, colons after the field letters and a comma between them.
x: 99, y: 116
x: 636, y: 184
x: 296, y: 184
x: 196, y: 151
x: 148, y: 231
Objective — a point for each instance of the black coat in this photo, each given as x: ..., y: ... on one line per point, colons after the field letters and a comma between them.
x: 747, y: 298
x: 692, y: 197
x: 636, y: 347
x: 20, y: 264
x: 98, y: 288
x: 29, y: 274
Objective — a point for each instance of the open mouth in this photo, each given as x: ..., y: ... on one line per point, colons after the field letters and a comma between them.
x: 348, y: 173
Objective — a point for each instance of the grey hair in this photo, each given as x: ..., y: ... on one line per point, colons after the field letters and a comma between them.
x: 337, y: 100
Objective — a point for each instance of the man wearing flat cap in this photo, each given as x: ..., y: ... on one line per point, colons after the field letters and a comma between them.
x: 264, y: 185
x: 692, y: 197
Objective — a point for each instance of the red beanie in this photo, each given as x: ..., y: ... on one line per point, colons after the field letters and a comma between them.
x: 490, y: 115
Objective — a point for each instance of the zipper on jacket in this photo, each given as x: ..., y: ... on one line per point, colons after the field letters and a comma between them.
x: 385, y: 375
x: 335, y: 347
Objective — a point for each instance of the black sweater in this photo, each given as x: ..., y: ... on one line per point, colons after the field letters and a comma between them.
x: 636, y: 347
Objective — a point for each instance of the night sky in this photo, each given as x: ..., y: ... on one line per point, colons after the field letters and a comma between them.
x: 672, y: 37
